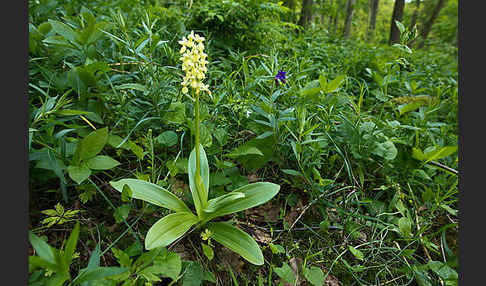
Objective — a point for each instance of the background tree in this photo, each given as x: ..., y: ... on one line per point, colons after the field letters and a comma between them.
x: 336, y: 15
x: 291, y: 5
x: 331, y: 14
x: 415, y: 14
x: 372, y: 23
x: 322, y: 9
x: 349, y: 17
x: 430, y: 22
x: 306, y: 13
x: 396, y: 16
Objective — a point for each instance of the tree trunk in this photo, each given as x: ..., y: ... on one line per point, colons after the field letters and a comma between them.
x: 415, y: 14
x: 291, y: 5
x: 430, y: 22
x: 322, y: 11
x: 331, y: 15
x: 372, y: 24
x: 349, y: 17
x: 306, y: 13
x: 336, y: 17
x: 397, y: 16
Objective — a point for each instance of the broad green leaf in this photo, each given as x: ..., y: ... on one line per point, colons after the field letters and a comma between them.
x: 208, y: 251
x: 199, y: 195
x: 91, y: 145
x: 194, y: 274
x: 286, y: 273
x: 205, y: 136
x: 176, y: 113
x: 322, y: 81
x: 218, y: 179
x: 314, y: 275
x: 311, y: 89
x: 404, y: 108
x: 63, y: 30
x: 405, y: 226
x: 221, y: 135
x: 79, y: 173
x: 169, y: 228
x: 127, y: 193
x: 102, y: 162
x: 243, y: 151
x: 252, y: 162
x: 115, y: 140
x: 137, y: 150
x: 151, y: 193
x: 335, y: 84
x: 421, y: 277
x: 255, y: 194
x: 400, y: 27
x: 36, y: 262
x: 403, y: 48
x: 357, y: 253
x: 276, y: 248
x: 150, y: 274
x: 236, y: 240
x: 94, y: 260
x: 43, y: 250
x: 98, y: 273
x: 222, y: 201
x: 71, y: 245
x: 57, y: 279
x: 292, y: 172
x: 170, y: 265
x: 387, y: 150
x: 418, y: 154
x: 135, y: 86
x: 167, y: 138
x: 443, y: 270
x: 122, y: 257
x: 440, y: 153
x: 98, y: 31
x: 121, y: 212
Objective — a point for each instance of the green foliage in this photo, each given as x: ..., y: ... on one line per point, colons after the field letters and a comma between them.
x: 59, y: 262
x: 361, y: 140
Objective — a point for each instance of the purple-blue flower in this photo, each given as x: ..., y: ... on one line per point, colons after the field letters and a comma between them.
x: 280, y: 77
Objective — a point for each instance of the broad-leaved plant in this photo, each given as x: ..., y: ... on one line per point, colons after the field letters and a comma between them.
x: 173, y: 226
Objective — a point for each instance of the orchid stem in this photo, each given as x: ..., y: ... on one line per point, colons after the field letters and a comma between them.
x: 196, y: 127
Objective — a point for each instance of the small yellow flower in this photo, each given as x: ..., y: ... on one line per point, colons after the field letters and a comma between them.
x: 193, y: 63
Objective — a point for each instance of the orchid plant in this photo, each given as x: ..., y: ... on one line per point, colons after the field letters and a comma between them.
x: 173, y: 226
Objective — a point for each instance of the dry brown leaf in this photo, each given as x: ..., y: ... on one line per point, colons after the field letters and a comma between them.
x: 182, y: 251
x: 111, y: 228
x: 179, y: 188
x: 294, y: 213
x: 332, y: 215
x: 331, y: 280
x: 261, y: 236
x: 295, y: 264
x: 268, y: 212
x: 421, y: 208
x: 253, y: 178
x: 230, y: 259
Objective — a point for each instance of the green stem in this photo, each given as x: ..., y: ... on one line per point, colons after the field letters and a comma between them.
x: 196, y: 127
